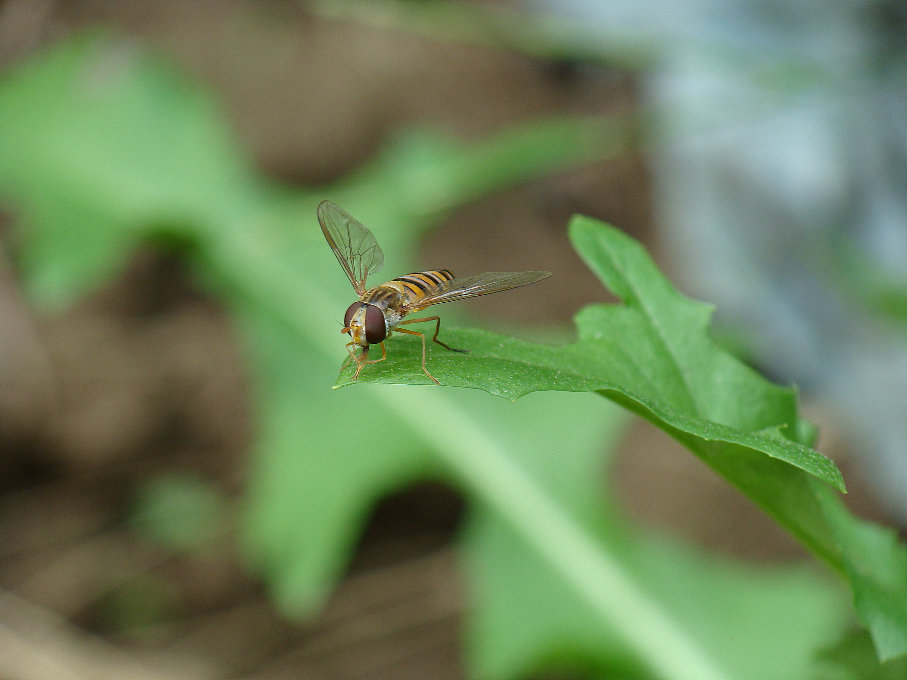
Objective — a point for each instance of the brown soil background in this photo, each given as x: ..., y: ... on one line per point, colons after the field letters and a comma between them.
x: 145, y: 377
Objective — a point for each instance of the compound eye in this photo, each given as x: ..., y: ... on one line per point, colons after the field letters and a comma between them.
x: 352, y: 309
x: 375, y: 329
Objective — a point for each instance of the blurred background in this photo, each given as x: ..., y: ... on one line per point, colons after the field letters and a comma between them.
x: 758, y: 150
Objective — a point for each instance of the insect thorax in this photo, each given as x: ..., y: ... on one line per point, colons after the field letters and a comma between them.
x: 386, y: 296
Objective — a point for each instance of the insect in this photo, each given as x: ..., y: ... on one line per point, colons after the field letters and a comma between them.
x: 381, y: 310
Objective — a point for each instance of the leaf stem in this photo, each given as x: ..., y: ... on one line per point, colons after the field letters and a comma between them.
x: 486, y: 469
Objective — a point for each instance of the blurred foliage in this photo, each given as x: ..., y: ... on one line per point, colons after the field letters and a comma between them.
x: 138, y: 607
x: 854, y: 658
x: 179, y: 512
x: 105, y: 147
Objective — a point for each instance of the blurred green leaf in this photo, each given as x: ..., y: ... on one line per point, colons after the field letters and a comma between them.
x: 523, y: 618
x: 179, y: 512
x: 139, y: 606
x: 855, y: 658
x: 100, y: 143
x: 526, y: 614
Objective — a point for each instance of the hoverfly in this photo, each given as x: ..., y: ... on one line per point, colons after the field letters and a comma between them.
x: 381, y: 310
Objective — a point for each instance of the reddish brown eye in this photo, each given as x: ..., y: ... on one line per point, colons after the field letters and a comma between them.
x: 375, y: 330
x: 352, y: 309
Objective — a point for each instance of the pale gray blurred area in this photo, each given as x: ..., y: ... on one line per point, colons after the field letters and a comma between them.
x: 780, y: 165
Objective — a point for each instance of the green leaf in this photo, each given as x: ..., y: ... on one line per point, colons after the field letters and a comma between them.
x: 651, y: 354
x: 876, y: 564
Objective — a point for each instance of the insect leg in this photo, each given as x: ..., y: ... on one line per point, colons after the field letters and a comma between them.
x: 352, y: 356
x: 363, y: 359
x: 434, y: 338
x: 421, y: 335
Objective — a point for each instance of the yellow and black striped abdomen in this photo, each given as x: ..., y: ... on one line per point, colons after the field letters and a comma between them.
x: 419, y: 284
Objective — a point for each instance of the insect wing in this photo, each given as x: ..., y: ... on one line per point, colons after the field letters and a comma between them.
x: 354, y: 245
x: 480, y: 284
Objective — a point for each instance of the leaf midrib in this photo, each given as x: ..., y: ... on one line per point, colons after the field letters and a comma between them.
x: 675, y: 362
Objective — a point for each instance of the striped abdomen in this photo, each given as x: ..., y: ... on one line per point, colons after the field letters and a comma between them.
x: 419, y: 284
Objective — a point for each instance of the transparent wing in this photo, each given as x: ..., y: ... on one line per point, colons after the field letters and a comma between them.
x: 480, y: 284
x: 354, y: 245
